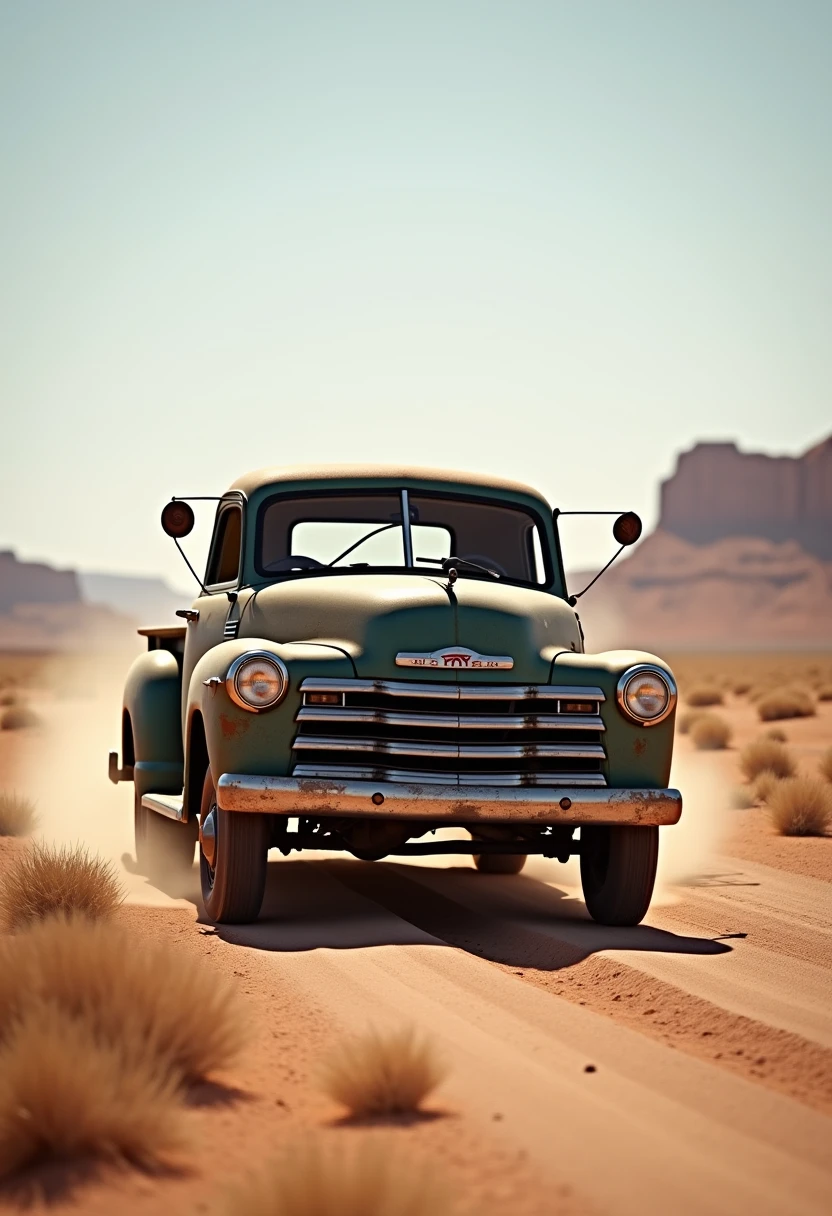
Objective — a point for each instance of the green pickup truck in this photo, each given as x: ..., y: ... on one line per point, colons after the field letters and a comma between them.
x: 377, y: 653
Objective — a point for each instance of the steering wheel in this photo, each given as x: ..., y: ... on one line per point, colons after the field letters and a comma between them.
x: 482, y: 560
x: 296, y: 562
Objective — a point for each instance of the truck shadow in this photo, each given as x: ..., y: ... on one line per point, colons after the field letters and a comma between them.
x: 519, y: 921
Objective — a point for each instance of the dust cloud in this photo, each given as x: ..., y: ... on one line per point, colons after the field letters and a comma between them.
x: 66, y: 773
x: 688, y: 850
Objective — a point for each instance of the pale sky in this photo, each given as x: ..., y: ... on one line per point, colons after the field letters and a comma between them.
x: 556, y: 241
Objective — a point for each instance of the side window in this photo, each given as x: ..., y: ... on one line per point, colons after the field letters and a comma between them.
x: 224, y: 562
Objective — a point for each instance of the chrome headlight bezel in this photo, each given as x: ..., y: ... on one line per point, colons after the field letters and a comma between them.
x: 633, y: 673
x: 231, y: 680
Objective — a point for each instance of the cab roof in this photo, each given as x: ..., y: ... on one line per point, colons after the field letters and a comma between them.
x: 393, y: 474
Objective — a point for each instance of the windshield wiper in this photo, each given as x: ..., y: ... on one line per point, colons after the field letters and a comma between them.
x: 456, y: 562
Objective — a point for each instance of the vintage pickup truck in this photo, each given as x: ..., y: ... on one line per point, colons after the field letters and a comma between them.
x: 379, y: 653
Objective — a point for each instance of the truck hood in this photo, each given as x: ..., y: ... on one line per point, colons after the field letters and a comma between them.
x: 374, y: 616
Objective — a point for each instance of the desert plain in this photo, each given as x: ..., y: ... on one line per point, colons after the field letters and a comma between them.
x: 682, y: 1066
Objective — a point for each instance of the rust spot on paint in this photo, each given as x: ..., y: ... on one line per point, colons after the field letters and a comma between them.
x: 640, y: 747
x: 231, y: 727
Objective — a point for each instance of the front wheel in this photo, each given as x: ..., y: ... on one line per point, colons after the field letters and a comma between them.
x: 618, y: 872
x: 233, y: 859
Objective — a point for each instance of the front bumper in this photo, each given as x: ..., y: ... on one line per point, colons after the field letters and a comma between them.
x: 448, y: 804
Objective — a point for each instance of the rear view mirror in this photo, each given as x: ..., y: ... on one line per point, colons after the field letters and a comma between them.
x: 627, y: 528
x: 178, y: 519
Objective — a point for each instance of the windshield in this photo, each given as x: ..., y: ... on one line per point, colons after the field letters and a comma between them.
x: 356, y: 531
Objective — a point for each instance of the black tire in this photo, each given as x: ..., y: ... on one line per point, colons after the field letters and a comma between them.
x: 499, y: 863
x: 618, y: 872
x: 164, y: 847
x: 233, y: 886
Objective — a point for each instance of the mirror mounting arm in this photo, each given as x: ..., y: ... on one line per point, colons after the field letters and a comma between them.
x: 573, y: 599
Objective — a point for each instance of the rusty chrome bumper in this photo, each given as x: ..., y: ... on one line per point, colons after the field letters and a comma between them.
x: 448, y: 804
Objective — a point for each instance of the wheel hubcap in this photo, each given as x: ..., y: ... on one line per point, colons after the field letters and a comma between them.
x: 208, y: 837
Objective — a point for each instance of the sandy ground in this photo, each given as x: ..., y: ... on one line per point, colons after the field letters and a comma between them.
x: 682, y: 1066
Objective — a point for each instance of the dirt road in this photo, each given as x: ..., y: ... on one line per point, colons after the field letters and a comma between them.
x: 683, y: 1066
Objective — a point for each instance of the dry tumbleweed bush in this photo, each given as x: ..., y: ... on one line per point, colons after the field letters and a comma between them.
x: 704, y: 694
x: 825, y: 692
x: 150, y: 999
x: 710, y: 733
x: 801, y: 806
x: 19, y: 717
x: 685, y: 721
x: 766, y: 755
x: 764, y: 785
x: 785, y: 703
x: 329, y: 1180
x: 382, y: 1073
x: 64, y: 1094
x: 825, y: 765
x: 17, y: 815
x: 47, y: 880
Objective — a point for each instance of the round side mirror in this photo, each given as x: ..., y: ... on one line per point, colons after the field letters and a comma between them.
x: 627, y: 528
x: 178, y: 519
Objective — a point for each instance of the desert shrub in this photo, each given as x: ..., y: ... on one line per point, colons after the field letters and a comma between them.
x: 374, y: 1073
x: 785, y: 703
x: 64, y: 1093
x: 19, y: 717
x: 741, y: 798
x: 17, y: 815
x: 825, y: 692
x: 149, y: 998
x: 766, y: 755
x: 48, y: 880
x: 763, y: 785
x: 825, y: 765
x: 7, y: 699
x: 704, y: 694
x: 710, y: 733
x: 801, y: 806
x: 775, y: 733
x: 685, y: 721
x: 334, y: 1180
x: 741, y: 687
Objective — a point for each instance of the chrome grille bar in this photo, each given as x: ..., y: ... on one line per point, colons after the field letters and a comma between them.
x: 383, y: 717
x: 347, y: 772
x: 465, y: 751
x: 455, y: 692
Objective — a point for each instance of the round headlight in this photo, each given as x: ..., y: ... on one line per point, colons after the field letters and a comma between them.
x: 257, y: 681
x: 646, y: 695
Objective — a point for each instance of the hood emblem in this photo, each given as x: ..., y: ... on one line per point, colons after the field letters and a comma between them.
x: 459, y: 657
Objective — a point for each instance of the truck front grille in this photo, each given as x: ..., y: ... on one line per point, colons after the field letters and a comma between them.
x: 449, y: 734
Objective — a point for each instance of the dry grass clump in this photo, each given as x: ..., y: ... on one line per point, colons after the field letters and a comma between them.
x: 151, y: 999
x: 64, y: 1093
x: 710, y: 733
x: 785, y: 703
x: 824, y: 692
x: 741, y: 687
x: 704, y: 694
x: 381, y: 1074
x: 47, y: 880
x: 685, y: 721
x: 330, y: 1180
x: 7, y: 699
x: 825, y: 765
x: 764, y: 785
x: 17, y: 815
x: 801, y: 806
x: 775, y: 733
x: 19, y: 717
x: 766, y: 755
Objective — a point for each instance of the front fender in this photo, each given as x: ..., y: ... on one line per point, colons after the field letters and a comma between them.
x: 638, y: 756
x: 153, y: 701
x: 242, y: 742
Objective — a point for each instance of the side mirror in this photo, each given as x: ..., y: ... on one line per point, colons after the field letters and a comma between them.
x: 627, y: 528
x: 178, y: 519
